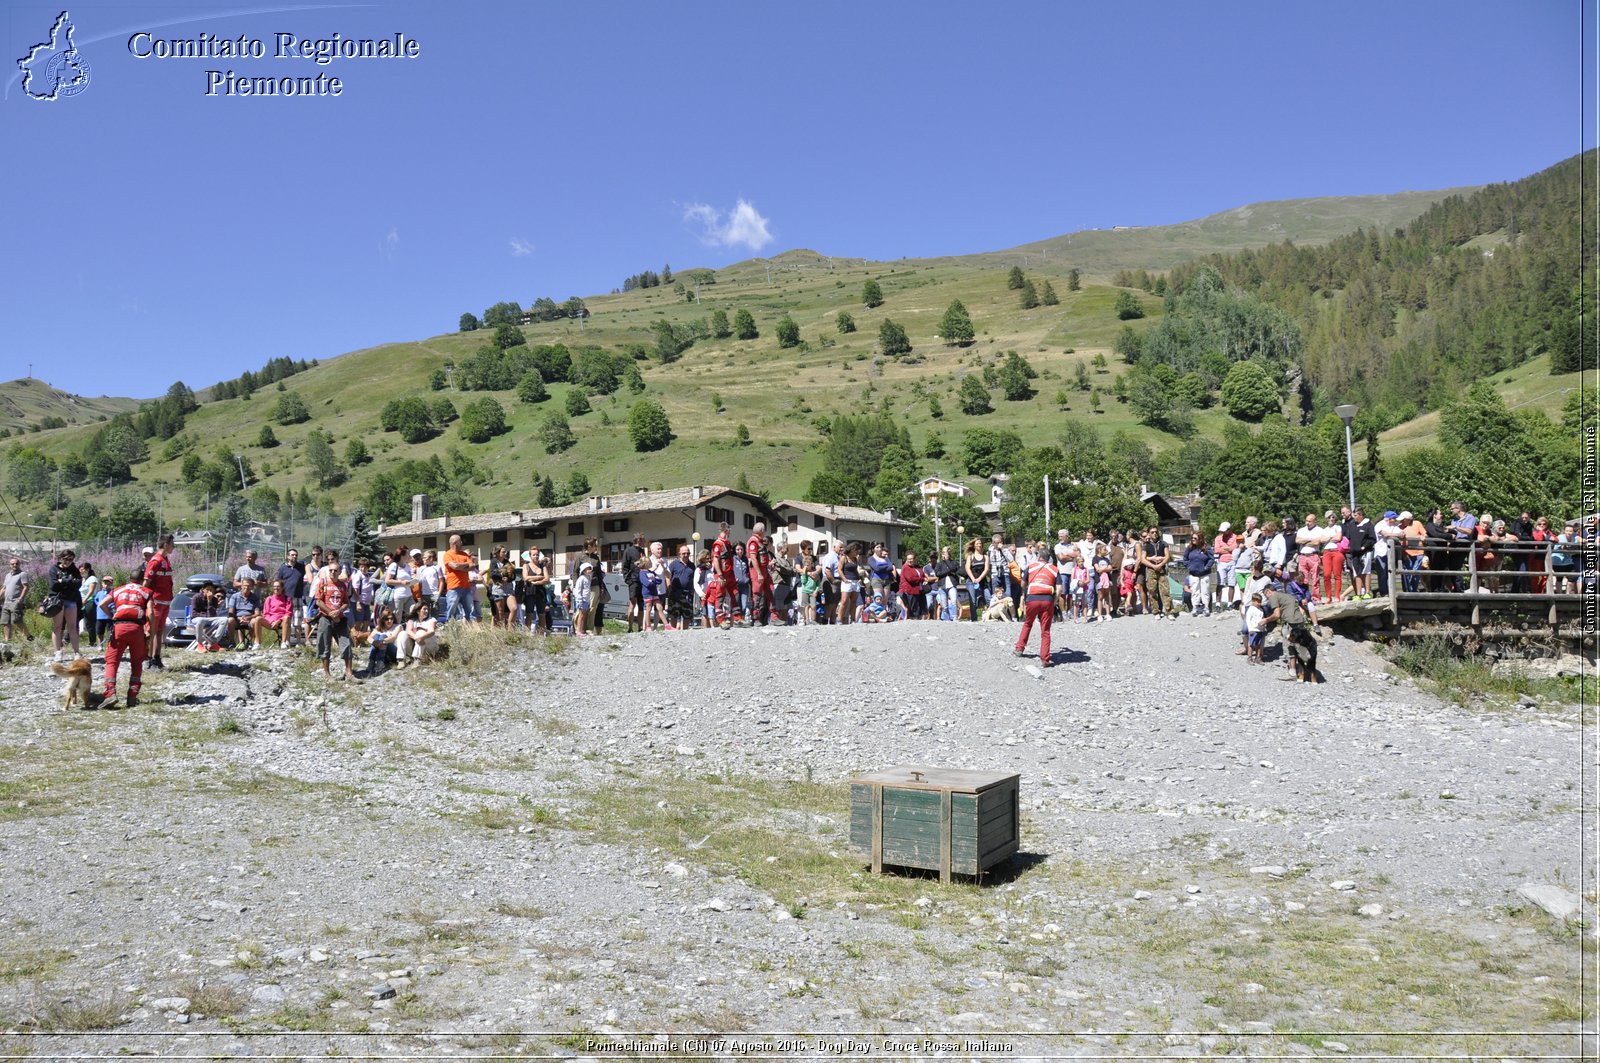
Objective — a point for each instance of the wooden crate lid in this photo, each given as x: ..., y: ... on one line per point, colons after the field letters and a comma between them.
x: 919, y: 777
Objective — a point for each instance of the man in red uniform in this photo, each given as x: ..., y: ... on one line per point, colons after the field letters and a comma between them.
x: 727, y: 586
x: 157, y: 578
x: 758, y: 556
x: 131, y: 606
x: 1042, y: 580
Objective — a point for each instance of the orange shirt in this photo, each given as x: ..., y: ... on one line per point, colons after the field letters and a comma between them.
x: 453, y: 580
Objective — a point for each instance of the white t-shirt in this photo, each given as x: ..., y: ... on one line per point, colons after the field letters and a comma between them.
x: 1063, y: 552
x: 429, y: 576
x: 1384, y: 530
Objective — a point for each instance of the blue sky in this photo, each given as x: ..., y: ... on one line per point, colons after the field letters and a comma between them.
x: 552, y: 149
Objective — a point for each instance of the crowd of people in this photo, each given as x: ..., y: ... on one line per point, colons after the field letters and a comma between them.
x: 1267, y: 574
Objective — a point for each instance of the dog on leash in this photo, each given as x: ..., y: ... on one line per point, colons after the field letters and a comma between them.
x: 80, y: 682
x: 1000, y: 609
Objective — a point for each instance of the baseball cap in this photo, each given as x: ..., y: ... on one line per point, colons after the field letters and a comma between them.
x: 1405, y: 514
x: 586, y: 566
x: 1224, y: 526
x: 1389, y: 514
x: 148, y: 550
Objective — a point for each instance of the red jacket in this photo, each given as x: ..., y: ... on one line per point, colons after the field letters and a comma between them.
x: 759, y: 559
x: 910, y: 579
x: 130, y: 603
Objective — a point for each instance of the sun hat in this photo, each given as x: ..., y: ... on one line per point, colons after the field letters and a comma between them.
x: 1405, y: 514
x: 1224, y: 526
x: 586, y: 566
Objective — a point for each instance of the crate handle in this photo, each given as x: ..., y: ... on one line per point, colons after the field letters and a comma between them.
x: 916, y: 776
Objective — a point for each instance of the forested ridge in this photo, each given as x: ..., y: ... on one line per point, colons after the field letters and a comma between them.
x: 1403, y: 321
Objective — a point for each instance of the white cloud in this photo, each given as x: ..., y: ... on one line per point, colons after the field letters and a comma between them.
x: 390, y: 245
x: 741, y: 226
x: 520, y: 247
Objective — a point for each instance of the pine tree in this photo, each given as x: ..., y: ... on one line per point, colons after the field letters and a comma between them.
x: 788, y: 332
x: 267, y: 439
x: 1074, y: 282
x: 956, y: 326
x: 361, y: 542
x: 1029, y: 297
x: 720, y: 329
x: 1015, y: 280
x: 1047, y: 295
x: 547, y: 492
x: 871, y: 294
x: 974, y: 397
x: 744, y: 325
x: 844, y: 322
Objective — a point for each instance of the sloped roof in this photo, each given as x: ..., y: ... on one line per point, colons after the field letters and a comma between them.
x: 672, y: 499
x: 857, y: 514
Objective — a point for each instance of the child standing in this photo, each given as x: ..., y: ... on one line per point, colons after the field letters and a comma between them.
x: 580, y: 595
x: 1253, y: 614
x: 1102, y: 583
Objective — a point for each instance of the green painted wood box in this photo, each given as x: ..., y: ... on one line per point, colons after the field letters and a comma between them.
x: 948, y: 820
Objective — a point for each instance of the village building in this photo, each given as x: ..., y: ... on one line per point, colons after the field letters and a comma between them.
x: 813, y: 521
x: 671, y: 517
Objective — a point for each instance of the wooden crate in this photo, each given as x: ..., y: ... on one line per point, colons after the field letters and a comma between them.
x: 947, y: 820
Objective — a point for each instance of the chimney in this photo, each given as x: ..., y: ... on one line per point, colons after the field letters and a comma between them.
x: 594, y: 504
x: 696, y: 493
x: 605, y: 503
x: 889, y: 513
x: 833, y: 510
x: 419, y: 507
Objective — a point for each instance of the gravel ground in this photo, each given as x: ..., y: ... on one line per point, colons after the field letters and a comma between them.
x: 562, y: 849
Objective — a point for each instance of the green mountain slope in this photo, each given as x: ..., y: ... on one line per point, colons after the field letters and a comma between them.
x: 26, y: 402
x: 716, y: 386
x: 1101, y: 252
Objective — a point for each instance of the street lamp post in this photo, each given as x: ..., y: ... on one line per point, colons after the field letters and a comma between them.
x: 1347, y: 414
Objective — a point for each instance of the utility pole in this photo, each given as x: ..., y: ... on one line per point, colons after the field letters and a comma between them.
x: 242, y: 485
x: 1047, y: 505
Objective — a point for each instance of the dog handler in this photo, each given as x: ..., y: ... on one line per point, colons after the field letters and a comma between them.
x: 130, y: 608
x: 1042, y: 579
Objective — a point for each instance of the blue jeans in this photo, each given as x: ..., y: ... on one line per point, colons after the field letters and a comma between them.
x: 977, y: 599
x: 1408, y: 580
x: 463, y: 603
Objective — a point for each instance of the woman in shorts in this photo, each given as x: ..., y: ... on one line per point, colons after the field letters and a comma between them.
x: 849, y: 583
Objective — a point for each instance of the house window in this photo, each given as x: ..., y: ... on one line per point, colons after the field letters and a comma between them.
x: 499, y: 536
x: 468, y: 540
x: 749, y: 521
x: 717, y: 515
x: 541, y: 532
x: 819, y: 522
x: 430, y: 542
x: 616, y: 524
x: 575, y: 527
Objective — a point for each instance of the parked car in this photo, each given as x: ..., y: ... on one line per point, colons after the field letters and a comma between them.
x: 178, y: 632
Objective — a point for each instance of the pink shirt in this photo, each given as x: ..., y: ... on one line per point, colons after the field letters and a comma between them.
x: 1223, y: 546
x: 275, y: 608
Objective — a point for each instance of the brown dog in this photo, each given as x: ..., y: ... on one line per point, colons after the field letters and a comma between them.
x: 1000, y: 609
x: 80, y: 680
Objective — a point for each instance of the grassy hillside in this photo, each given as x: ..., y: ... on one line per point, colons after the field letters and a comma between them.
x: 26, y: 401
x: 1529, y: 386
x: 1101, y: 252
x: 776, y: 393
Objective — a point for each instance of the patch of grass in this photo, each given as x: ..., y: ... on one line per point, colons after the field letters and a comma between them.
x: 24, y: 962
x: 1568, y: 1008
x: 785, y: 838
x: 445, y: 714
x: 213, y: 998
x: 489, y: 818
x: 436, y: 929
x: 100, y: 1013
x: 1465, y: 680
x: 519, y: 911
